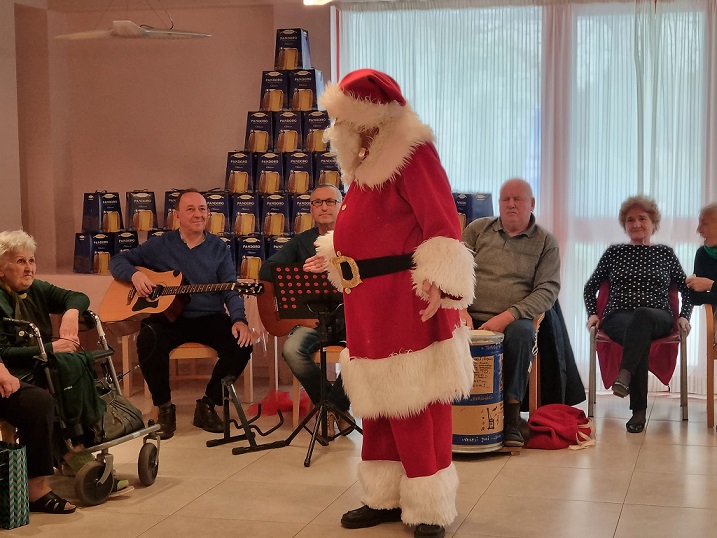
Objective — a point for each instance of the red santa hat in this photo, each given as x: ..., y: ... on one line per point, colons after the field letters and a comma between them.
x: 365, y: 98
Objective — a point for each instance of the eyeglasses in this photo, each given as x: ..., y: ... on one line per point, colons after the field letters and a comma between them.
x: 329, y: 203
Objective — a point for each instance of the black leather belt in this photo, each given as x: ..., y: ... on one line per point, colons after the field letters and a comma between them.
x: 353, y: 271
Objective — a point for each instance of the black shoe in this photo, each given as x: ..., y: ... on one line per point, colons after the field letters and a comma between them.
x: 369, y: 517
x: 167, y: 420
x: 636, y: 423
x: 423, y: 530
x: 206, y: 417
x: 619, y: 389
x: 512, y: 436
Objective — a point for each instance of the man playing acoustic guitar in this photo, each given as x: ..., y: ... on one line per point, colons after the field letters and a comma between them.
x: 202, y: 258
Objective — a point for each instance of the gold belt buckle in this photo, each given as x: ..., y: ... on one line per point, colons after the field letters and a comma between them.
x: 356, y: 277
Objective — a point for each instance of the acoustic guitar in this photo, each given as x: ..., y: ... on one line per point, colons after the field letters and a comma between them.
x: 167, y: 299
x: 269, y: 314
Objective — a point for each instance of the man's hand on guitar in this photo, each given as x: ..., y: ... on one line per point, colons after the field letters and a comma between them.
x: 241, y: 332
x: 142, y: 283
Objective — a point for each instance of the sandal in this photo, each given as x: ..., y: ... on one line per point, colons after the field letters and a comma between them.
x: 620, y: 389
x: 50, y: 503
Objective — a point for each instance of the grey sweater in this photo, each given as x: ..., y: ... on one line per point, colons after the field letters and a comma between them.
x: 520, y: 274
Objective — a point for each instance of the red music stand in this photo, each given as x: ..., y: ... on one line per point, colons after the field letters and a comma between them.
x: 304, y: 295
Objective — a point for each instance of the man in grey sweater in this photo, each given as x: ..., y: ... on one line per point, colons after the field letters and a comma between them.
x: 517, y: 278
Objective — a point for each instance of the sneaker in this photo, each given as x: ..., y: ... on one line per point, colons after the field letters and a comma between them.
x: 512, y: 436
x: 366, y: 516
x: 120, y: 487
x: 206, y: 417
x: 167, y: 420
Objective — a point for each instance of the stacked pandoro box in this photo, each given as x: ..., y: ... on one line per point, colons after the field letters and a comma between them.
x: 472, y: 206
x: 284, y: 156
x: 264, y: 198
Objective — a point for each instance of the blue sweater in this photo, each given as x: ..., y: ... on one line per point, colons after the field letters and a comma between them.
x: 208, y: 263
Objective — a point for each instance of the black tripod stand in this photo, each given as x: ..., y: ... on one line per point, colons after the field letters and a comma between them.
x: 310, y: 295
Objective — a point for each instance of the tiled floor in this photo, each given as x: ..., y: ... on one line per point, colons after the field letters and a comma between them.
x: 658, y: 483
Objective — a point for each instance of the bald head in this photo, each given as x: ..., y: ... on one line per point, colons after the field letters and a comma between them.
x: 516, y: 204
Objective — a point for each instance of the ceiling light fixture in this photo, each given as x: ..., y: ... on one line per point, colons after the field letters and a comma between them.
x: 129, y: 29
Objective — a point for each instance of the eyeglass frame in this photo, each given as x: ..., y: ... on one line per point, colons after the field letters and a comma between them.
x: 330, y: 202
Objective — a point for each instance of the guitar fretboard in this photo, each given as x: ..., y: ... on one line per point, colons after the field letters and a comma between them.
x: 244, y: 289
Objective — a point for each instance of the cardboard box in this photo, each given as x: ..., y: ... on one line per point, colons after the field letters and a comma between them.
x: 245, y: 214
x: 250, y: 255
x: 472, y: 206
x: 274, y: 244
x: 274, y: 90
x: 287, y: 131
x: 326, y: 170
x: 269, y: 173
x: 292, y: 49
x: 93, y: 251
x: 170, y: 202
x: 239, y: 176
x: 101, y: 212
x: 301, y: 218
x: 219, y: 211
x: 141, y: 210
x: 275, y: 214
x: 313, y: 125
x: 305, y: 86
x: 259, y: 132
x: 298, y: 172
x: 122, y: 241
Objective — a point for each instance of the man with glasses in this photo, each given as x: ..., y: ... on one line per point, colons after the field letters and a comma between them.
x: 303, y: 342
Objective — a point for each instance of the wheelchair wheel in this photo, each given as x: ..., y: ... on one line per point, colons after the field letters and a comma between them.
x: 88, y: 487
x: 148, y: 464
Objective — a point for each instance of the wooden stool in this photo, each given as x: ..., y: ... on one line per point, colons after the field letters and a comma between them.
x: 332, y: 357
x: 192, y: 350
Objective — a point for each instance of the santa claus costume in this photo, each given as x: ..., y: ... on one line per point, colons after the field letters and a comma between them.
x: 399, y: 225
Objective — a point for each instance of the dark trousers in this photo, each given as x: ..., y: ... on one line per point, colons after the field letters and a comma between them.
x: 157, y: 339
x: 32, y: 411
x: 635, y: 330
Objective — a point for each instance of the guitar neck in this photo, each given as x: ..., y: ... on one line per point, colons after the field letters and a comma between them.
x: 204, y: 288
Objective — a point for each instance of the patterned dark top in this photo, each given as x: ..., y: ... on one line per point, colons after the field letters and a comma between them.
x: 639, y: 275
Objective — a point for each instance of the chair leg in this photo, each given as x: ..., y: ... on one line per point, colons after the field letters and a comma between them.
x: 710, y: 390
x: 534, y: 385
x: 592, y: 389
x: 295, y: 397
x: 683, y: 376
x: 248, y: 374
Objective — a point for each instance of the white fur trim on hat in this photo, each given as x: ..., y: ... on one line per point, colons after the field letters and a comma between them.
x: 363, y: 113
x: 403, y: 385
x: 325, y: 247
x: 430, y: 499
x: 381, y: 481
x: 450, y: 265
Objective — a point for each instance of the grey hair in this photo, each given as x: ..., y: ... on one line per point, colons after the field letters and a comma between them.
x: 647, y: 204
x: 13, y: 242
x: 330, y: 186
x: 709, y: 209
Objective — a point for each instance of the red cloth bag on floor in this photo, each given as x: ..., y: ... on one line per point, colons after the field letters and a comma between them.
x: 556, y: 426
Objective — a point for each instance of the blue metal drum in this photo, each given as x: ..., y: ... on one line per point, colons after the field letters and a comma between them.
x: 478, y: 419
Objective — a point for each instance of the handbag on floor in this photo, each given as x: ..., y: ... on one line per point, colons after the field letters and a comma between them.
x: 14, y: 499
x: 556, y: 426
x: 120, y: 418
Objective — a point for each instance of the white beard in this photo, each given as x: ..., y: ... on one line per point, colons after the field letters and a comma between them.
x: 345, y: 141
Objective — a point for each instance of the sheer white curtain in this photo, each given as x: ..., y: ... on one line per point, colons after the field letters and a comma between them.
x: 591, y: 102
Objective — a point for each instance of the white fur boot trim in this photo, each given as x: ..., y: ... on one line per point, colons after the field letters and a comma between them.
x: 430, y: 499
x: 381, y: 481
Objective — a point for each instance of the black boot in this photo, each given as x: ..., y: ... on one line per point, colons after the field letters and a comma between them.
x: 425, y: 530
x: 369, y: 517
x: 167, y: 420
x: 512, y: 435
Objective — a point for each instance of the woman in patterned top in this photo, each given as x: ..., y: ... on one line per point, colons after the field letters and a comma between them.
x: 638, y: 310
x: 704, y: 282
